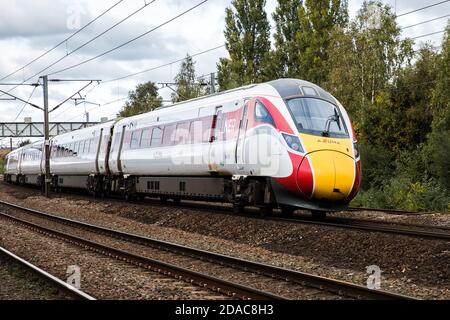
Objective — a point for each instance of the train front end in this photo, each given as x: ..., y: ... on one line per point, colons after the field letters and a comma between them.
x: 322, y: 147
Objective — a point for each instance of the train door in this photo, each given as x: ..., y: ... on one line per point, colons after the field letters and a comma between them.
x: 97, y: 152
x: 216, y: 143
x: 119, y: 151
x: 240, y: 141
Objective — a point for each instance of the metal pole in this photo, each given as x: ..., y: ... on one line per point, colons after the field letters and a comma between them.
x: 10, y: 144
x: 46, y: 137
x: 213, y: 82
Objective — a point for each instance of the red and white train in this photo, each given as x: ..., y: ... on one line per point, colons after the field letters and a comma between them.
x: 286, y: 143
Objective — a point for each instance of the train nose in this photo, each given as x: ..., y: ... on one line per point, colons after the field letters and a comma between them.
x: 332, y: 173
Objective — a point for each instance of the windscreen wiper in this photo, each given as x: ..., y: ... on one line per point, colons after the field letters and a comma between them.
x: 334, y: 118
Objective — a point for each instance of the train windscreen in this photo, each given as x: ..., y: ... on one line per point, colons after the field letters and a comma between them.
x: 317, y: 117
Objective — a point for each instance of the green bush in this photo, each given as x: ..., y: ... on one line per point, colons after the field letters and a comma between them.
x: 404, y: 194
x: 2, y: 164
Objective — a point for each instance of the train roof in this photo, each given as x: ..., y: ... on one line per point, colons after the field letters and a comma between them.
x: 289, y: 88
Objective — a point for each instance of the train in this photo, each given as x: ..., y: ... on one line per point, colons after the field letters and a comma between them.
x: 285, y: 144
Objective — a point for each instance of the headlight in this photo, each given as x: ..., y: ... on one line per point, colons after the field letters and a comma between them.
x: 293, y: 142
x: 356, y: 149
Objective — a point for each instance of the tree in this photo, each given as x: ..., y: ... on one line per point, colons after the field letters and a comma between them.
x: 366, y: 56
x: 247, y: 34
x: 144, y: 99
x: 187, y: 88
x: 438, y: 148
x: 24, y: 143
x: 287, y: 23
x: 317, y: 20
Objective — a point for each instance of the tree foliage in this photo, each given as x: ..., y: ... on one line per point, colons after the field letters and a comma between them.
x: 318, y: 20
x: 287, y: 54
x: 187, y: 86
x: 247, y: 34
x: 24, y: 143
x: 143, y: 99
x: 438, y: 147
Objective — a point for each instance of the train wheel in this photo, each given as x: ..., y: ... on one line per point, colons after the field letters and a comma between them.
x: 163, y: 200
x: 128, y: 197
x: 287, y: 211
x: 176, y: 201
x: 265, y: 211
x: 319, y: 215
x: 238, y: 208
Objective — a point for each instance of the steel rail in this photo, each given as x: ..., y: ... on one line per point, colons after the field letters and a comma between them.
x: 305, y: 279
x: 388, y: 211
x: 214, y: 284
x: 54, y: 281
x: 375, y: 226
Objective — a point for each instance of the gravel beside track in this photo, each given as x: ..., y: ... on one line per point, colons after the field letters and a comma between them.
x: 19, y: 283
x: 410, y: 266
x: 102, y: 277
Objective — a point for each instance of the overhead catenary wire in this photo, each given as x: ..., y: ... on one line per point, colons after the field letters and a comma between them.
x: 99, y: 106
x: 426, y: 21
x: 86, y: 43
x: 428, y: 34
x: 25, y: 104
x: 422, y: 8
x: 63, y: 41
x: 131, y: 40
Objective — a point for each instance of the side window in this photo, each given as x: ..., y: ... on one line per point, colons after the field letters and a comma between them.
x: 156, y: 137
x: 182, y: 133
x: 206, y: 128
x: 83, y: 147
x: 169, y: 135
x: 135, y: 139
x: 146, y: 138
x: 90, y: 146
x: 262, y: 114
x: 196, y: 132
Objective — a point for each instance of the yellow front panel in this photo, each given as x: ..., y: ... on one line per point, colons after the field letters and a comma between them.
x: 332, y: 164
x: 314, y: 143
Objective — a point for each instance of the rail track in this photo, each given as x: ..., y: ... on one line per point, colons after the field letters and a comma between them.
x: 47, y: 277
x: 405, y: 229
x: 388, y: 211
x: 319, y: 287
x: 399, y: 228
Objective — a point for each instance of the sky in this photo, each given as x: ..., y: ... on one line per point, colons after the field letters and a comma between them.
x: 30, y: 28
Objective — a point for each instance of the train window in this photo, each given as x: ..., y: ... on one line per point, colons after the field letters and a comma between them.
x: 182, y: 133
x: 169, y: 135
x: 135, y: 139
x: 262, y: 114
x: 206, y: 128
x: 196, y: 131
x: 318, y: 117
x: 146, y: 138
x: 156, y: 137
x: 88, y: 146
